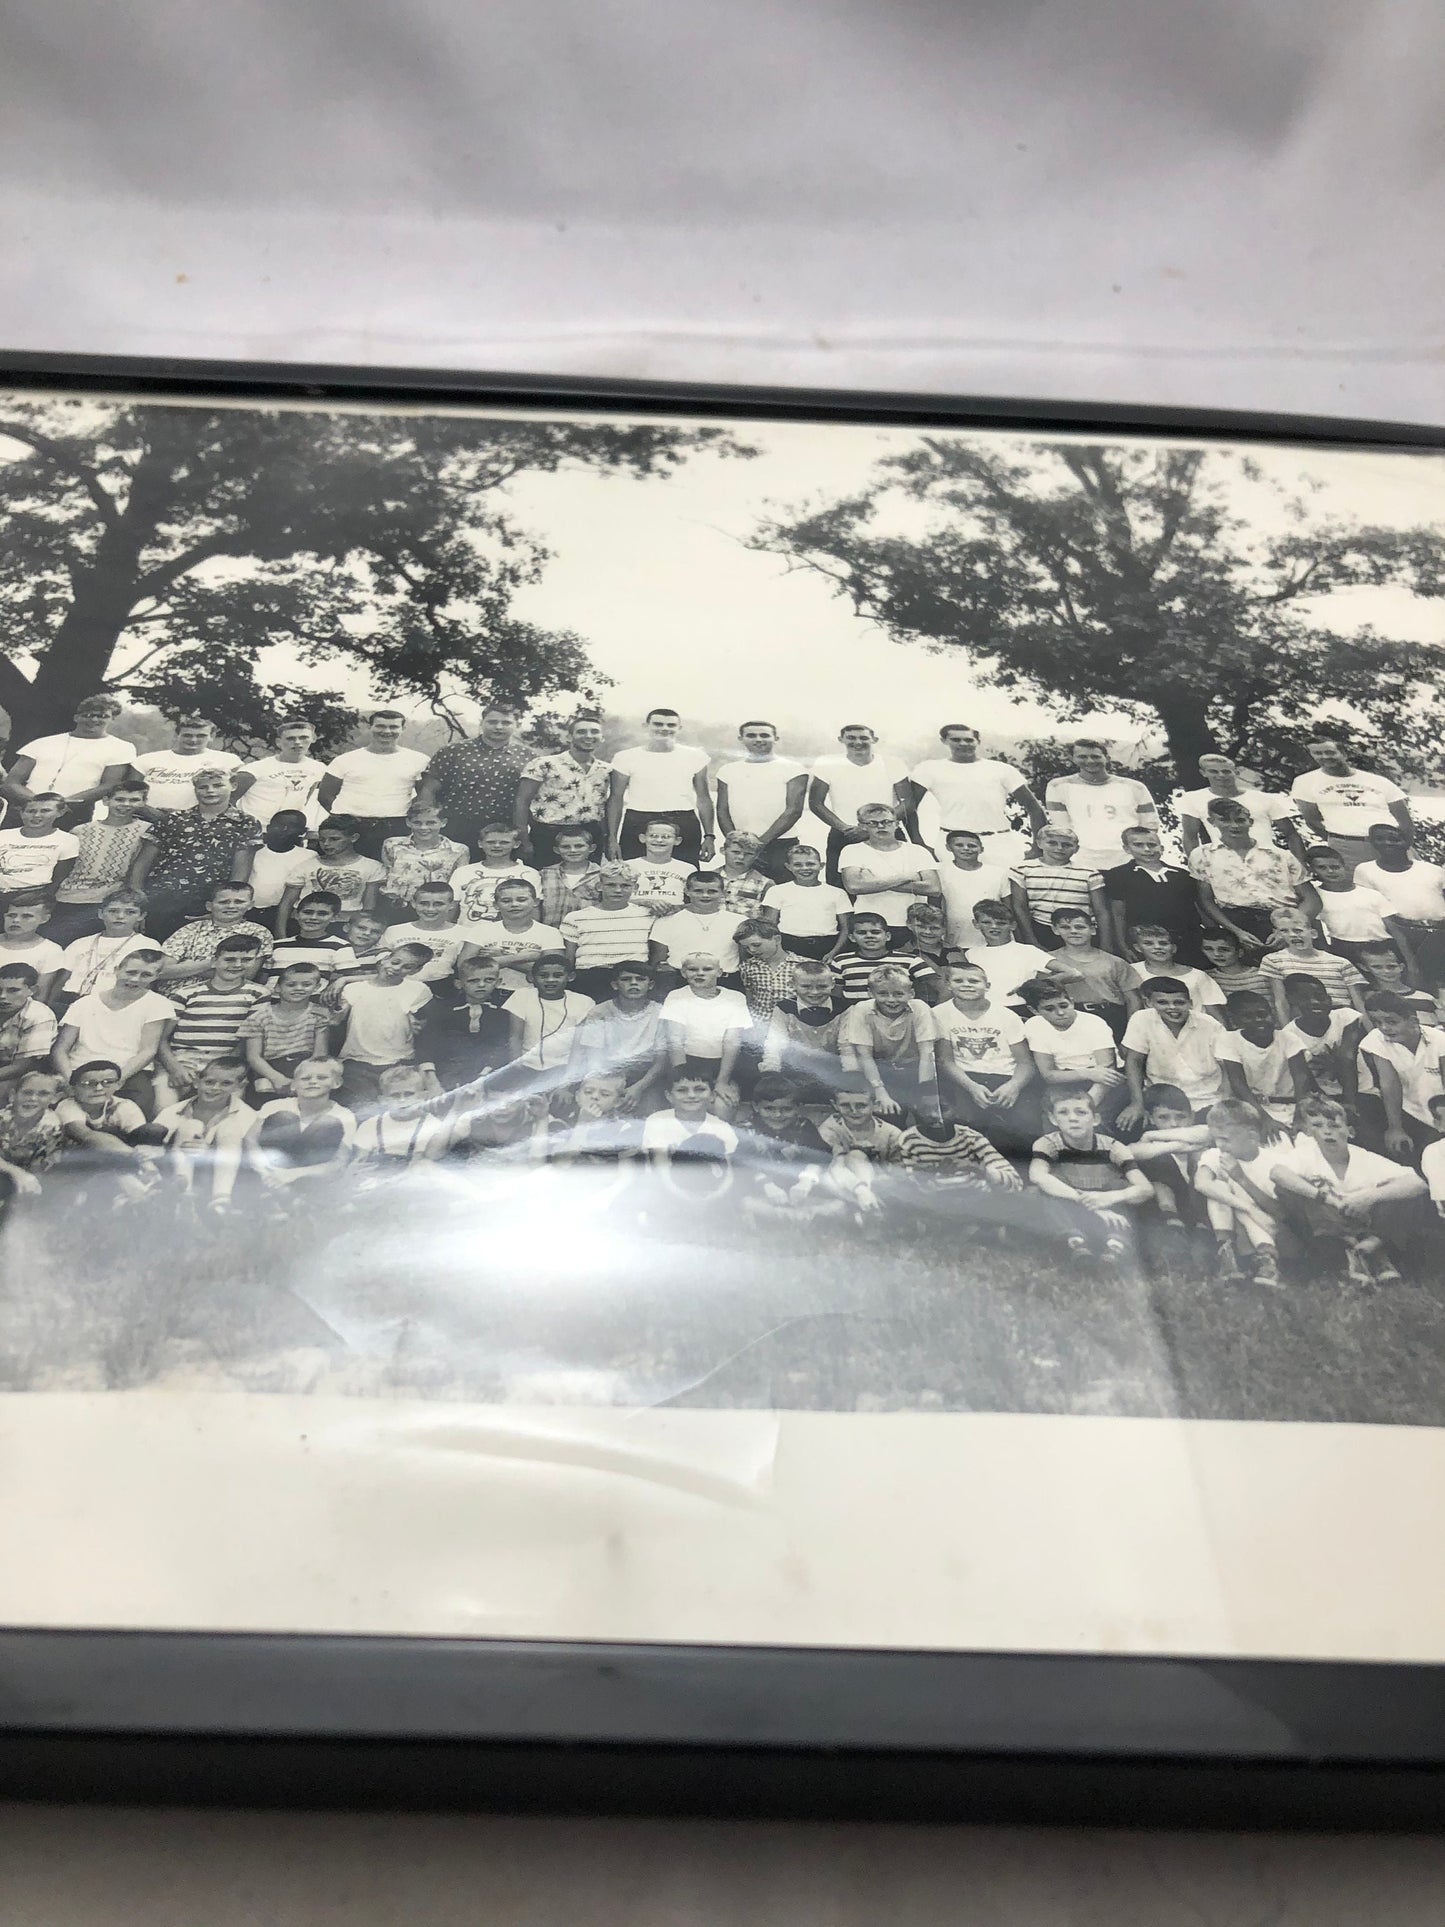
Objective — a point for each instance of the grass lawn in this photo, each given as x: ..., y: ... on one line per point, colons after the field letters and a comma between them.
x: 531, y: 1293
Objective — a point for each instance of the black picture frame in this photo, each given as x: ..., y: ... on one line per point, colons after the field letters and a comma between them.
x: 404, y: 1722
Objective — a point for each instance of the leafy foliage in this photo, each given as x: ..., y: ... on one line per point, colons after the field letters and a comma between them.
x: 161, y: 551
x: 1122, y: 577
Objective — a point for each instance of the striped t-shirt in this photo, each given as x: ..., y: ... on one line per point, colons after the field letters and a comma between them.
x: 209, y: 1021
x: 1338, y: 975
x: 853, y: 971
x: 1055, y: 886
x: 607, y: 937
x: 962, y: 1152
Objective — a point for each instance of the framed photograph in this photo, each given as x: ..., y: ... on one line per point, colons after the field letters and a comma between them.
x: 719, y: 1100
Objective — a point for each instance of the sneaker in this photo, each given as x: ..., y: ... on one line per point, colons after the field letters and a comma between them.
x: 1388, y: 1274
x: 1266, y: 1268
x: 1226, y: 1265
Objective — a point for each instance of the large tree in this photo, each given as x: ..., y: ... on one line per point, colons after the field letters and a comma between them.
x: 157, y: 550
x: 1131, y: 578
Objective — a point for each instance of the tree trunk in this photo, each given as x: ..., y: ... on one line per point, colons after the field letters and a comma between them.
x: 1187, y: 734
x: 76, y: 662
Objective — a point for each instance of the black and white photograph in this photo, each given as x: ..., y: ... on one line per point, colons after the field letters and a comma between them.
x: 601, y: 910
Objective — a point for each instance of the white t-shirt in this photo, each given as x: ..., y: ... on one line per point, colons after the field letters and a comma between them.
x: 1007, y: 965
x: 273, y: 871
x: 378, y: 1029
x: 1266, y: 808
x: 706, y: 1021
x: 26, y: 861
x: 70, y: 764
x: 970, y: 796
x: 808, y: 912
x: 851, y: 785
x: 1204, y: 992
x: 1417, y: 1069
x: 495, y: 938
x: 547, y: 1024
x: 1074, y: 1049
x: 375, y: 784
x: 1188, y: 1057
x: 445, y: 947
x: 665, y: 1131
x: 758, y: 791
x: 687, y: 933
x: 282, y: 786
x: 1266, y: 1069
x: 1319, y: 1051
x: 43, y: 956
x: 1099, y: 813
x: 1259, y: 1169
x: 114, y: 1034
x: 475, y: 886
x: 349, y: 881
x: 1356, y: 915
x: 1348, y: 804
x: 90, y: 962
x: 962, y: 889
x: 1364, y: 1170
x: 983, y: 1040
x: 661, y: 779
x: 860, y: 862
x: 1417, y: 893
x: 170, y: 777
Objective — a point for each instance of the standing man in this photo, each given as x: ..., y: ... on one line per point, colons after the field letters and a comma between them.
x: 568, y: 790
x: 974, y: 792
x: 841, y: 785
x: 1271, y: 810
x: 375, y: 783
x: 168, y: 773
x: 661, y: 780
x: 83, y: 766
x: 189, y: 852
x: 474, y: 783
x: 1341, y: 803
x: 285, y: 780
x: 1099, y: 805
x: 762, y: 793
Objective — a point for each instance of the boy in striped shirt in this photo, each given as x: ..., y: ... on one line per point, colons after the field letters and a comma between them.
x: 1052, y: 881
x: 209, y: 1016
x: 599, y: 936
x: 1296, y: 955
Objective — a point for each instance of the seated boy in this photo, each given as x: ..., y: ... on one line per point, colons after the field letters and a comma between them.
x: 465, y: 1034
x: 887, y: 1040
x: 28, y: 1029
x: 1235, y: 1177
x: 544, y: 1018
x: 704, y: 1026
x: 205, y: 1134
x: 623, y: 1035
x: 1169, y: 1042
x: 603, y: 1133
x: 90, y: 961
x: 985, y: 1066
x: 402, y: 1128
x: 110, y: 1145
x: 944, y: 1156
x: 1408, y: 1062
x: 300, y: 1141
x: 190, y: 952
x: 433, y: 921
x: 801, y: 1041
x: 1167, y: 1151
x: 282, y: 1033
x: 31, y: 1136
x: 687, y: 1145
x: 515, y: 935
x: 1071, y: 1047
x: 870, y: 944
x: 861, y: 1144
x: 783, y: 1158
x: 1261, y: 1065
x: 1373, y: 1205
x: 1090, y: 1181
x: 126, y: 1020
x: 1325, y: 1040
x: 21, y: 922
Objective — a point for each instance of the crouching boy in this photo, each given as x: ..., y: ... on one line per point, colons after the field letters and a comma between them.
x: 1090, y: 1182
x: 1235, y: 1177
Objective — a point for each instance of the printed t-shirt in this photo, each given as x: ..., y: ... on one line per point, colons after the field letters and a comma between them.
x: 29, y: 861
x: 282, y: 786
x: 349, y: 881
x: 1348, y: 804
x: 445, y: 946
x: 475, y: 887
x: 493, y: 936
x: 170, y: 776
x: 659, y: 886
x: 983, y: 1040
x: 1099, y: 813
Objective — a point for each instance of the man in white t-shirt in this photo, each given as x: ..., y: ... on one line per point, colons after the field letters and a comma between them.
x: 83, y: 766
x: 170, y: 773
x: 285, y: 780
x: 1269, y: 810
x: 375, y: 783
x: 762, y: 793
x: 1342, y: 803
x: 841, y: 785
x: 1099, y: 806
x: 975, y: 792
x: 662, y: 780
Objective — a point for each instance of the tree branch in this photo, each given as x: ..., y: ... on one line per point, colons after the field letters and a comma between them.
x: 57, y: 454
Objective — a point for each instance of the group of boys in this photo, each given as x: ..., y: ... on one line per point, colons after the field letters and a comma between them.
x: 200, y: 1002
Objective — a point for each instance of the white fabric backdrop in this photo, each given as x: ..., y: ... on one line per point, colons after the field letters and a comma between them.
x: 1235, y: 205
